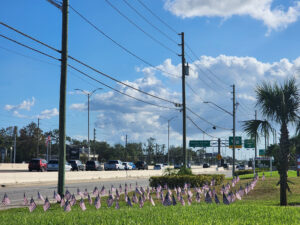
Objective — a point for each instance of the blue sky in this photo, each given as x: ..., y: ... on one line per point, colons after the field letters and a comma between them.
x: 238, y: 42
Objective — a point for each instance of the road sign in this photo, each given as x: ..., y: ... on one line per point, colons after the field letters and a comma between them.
x: 238, y: 142
x: 249, y: 143
x: 219, y: 157
x: 262, y: 152
x: 198, y: 143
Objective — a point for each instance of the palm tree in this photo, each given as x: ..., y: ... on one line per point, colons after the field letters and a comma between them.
x: 279, y: 104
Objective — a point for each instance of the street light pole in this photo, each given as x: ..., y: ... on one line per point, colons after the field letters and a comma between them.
x: 89, y: 94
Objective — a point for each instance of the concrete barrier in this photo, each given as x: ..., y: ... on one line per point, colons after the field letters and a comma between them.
x: 13, y: 166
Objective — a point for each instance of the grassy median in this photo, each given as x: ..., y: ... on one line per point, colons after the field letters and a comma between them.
x: 261, y: 206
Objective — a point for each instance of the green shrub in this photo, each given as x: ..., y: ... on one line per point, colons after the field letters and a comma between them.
x: 180, y: 180
x: 185, y: 171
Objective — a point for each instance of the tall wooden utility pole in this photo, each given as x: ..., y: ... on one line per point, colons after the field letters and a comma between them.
x: 62, y: 100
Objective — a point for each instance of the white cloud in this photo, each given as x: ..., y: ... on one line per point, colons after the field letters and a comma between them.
x: 48, y: 113
x: 25, y: 105
x: 275, y: 18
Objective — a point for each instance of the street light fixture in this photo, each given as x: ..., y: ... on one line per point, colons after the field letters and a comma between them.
x: 88, y: 94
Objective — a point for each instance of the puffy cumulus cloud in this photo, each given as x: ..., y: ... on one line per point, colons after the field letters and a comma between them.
x: 274, y: 17
x: 118, y: 115
x: 25, y: 105
x: 48, y: 113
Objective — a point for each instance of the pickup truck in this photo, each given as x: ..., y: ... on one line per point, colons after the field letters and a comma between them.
x: 114, y: 165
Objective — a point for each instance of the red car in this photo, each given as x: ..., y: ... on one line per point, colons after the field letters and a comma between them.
x: 38, y: 165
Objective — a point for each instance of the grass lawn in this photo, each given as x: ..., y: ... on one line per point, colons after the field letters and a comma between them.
x: 261, y: 206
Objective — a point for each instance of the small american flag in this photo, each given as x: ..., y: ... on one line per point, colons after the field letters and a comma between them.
x: 97, y: 202
x: 62, y: 202
x: 102, y: 192
x: 79, y: 193
x: 117, y: 194
x: 198, y: 197
x: 40, y: 197
x: 96, y: 191
x: 46, y: 205
x: 85, y: 192
x: 90, y: 199
x: 173, y: 200
x: 141, y: 202
x: 208, y: 198
x: 32, y: 205
x: 110, y: 200
x: 129, y: 202
x: 134, y: 198
x: 120, y: 188
x: 82, y: 205
x: 25, y: 200
x: 138, y: 191
x: 151, y: 200
x: 237, y: 194
x: 57, y: 196
x: 67, y: 195
x: 5, y: 200
x: 117, y: 204
x: 225, y: 200
x: 67, y: 207
x: 182, y: 201
x: 73, y: 200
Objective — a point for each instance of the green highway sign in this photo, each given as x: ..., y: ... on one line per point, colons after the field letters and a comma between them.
x: 198, y: 143
x: 262, y: 152
x: 238, y: 142
x: 249, y: 143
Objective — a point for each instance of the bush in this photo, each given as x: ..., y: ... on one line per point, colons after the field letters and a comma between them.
x: 180, y: 180
x: 184, y: 171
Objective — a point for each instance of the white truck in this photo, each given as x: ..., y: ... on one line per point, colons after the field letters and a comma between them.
x: 114, y: 165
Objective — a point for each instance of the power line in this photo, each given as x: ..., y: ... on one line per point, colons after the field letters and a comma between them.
x: 106, y: 75
x: 26, y: 46
x: 206, y: 120
x: 85, y: 74
x: 141, y: 29
x: 199, y: 127
x: 157, y: 17
x: 151, y: 24
x: 121, y: 46
x: 82, y: 63
x: 30, y: 37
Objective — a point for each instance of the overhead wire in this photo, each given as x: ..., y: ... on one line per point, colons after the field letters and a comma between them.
x: 147, y: 21
x: 139, y: 28
x: 199, y: 127
x: 121, y: 46
x: 82, y: 63
x: 200, y: 117
x: 33, y: 49
x: 157, y: 17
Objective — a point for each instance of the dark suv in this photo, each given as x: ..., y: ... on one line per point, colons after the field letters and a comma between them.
x: 93, y: 165
x: 141, y: 165
x: 38, y: 165
x: 77, y: 165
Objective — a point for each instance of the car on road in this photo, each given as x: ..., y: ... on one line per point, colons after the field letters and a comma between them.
x: 114, y: 165
x: 77, y: 165
x: 38, y: 165
x: 53, y: 165
x: 93, y: 165
x: 206, y: 165
x: 158, y: 166
x: 132, y: 165
x: 240, y: 167
x: 141, y: 165
x: 225, y: 166
x: 127, y: 165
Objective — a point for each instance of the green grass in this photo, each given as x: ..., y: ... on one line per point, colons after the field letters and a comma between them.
x: 261, y: 206
x: 291, y: 173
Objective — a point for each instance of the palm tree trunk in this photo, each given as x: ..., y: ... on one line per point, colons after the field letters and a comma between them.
x: 283, y: 162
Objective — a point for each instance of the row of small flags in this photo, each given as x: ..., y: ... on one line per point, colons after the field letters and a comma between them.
x: 141, y: 195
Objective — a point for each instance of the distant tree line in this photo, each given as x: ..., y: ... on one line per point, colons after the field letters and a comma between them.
x: 31, y: 143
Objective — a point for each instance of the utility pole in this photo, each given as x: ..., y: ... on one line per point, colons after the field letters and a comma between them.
x: 89, y: 145
x: 255, y: 139
x: 219, y: 151
x: 94, y: 143
x: 168, y: 142
x: 233, y: 130
x: 15, y: 141
x: 38, y: 138
x: 62, y: 100
x: 126, y: 147
x: 183, y: 101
